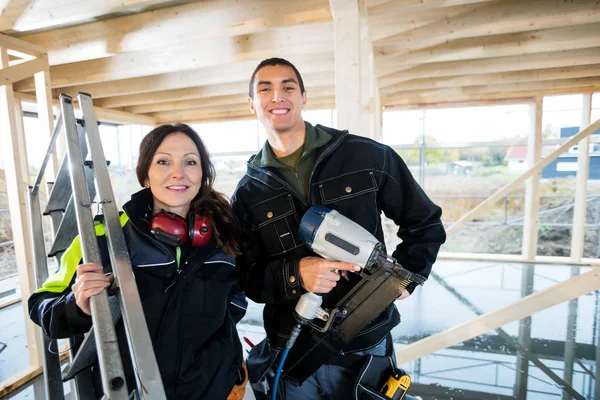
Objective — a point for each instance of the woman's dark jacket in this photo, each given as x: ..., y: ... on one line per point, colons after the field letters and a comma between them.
x: 191, y: 306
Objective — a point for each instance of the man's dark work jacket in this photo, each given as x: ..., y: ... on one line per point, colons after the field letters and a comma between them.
x: 358, y: 177
x: 190, y: 303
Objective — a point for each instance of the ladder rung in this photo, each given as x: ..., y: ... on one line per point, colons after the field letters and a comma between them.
x: 67, y: 229
x: 61, y: 190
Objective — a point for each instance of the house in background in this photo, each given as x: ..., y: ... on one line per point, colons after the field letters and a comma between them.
x: 565, y: 165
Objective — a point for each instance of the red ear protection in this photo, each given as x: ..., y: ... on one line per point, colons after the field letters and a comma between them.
x: 173, y: 230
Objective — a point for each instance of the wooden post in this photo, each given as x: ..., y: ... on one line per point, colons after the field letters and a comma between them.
x: 351, y: 67
x: 43, y: 93
x: 532, y: 185
x: 15, y: 164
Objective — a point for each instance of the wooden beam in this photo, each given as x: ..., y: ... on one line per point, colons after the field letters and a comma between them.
x: 583, y: 173
x: 16, y: 167
x: 532, y: 185
x: 500, y: 193
x: 510, y: 89
x: 407, y: 6
x: 389, y: 24
x: 20, y: 46
x: 214, y: 75
x: 11, y: 11
x: 498, y: 78
x: 19, y: 379
x: 43, y: 95
x: 517, y: 258
x: 313, y: 83
x: 351, y: 71
x: 236, y: 99
x: 103, y: 114
x: 446, y: 101
x: 23, y: 70
x: 544, y: 299
x: 43, y: 14
x: 497, y: 18
x: 186, y: 55
x: 226, y: 113
x: 563, y: 58
x: 221, y: 21
x: 545, y: 40
x: 240, y: 108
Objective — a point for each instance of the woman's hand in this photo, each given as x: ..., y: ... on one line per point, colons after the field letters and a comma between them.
x: 90, y: 281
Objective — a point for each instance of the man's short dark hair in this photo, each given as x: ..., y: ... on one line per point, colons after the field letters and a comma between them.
x: 271, y: 62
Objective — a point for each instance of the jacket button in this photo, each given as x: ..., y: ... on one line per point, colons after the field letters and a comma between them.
x: 294, y: 291
x: 269, y: 214
x: 292, y: 279
x: 348, y: 189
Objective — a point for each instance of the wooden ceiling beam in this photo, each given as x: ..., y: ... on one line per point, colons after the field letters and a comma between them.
x: 407, y: 6
x: 159, y: 30
x: 103, y: 114
x: 545, y: 40
x: 564, y: 58
x: 293, y: 41
x: 215, y: 75
x: 44, y: 14
x: 575, y: 85
x: 547, y: 74
x: 496, y: 18
x: 235, y: 99
x: 20, y: 46
x: 390, y: 24
x: 228, y: 112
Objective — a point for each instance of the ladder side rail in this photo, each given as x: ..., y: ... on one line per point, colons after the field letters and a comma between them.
x: 111, y: 368
x: 40, y: 176
x: 148, y: 376
x: 50, y: 357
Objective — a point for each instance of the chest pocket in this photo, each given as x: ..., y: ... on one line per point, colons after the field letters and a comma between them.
x: 277, y: 222
x: 347, y: 186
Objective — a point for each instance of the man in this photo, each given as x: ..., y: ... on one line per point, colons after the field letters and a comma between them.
x: 300, y: 166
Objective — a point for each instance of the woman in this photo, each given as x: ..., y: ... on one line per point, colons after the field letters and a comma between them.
x: 186, y: 281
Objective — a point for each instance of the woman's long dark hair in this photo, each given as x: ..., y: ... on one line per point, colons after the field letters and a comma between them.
x: 208, y: 202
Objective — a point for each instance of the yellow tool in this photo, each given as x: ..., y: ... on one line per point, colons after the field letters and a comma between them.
x: 396, y: 386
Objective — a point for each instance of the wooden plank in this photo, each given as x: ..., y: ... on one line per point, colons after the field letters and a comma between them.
x: 22, y: 70
x: 389, y: 24
x: 554, y: 59
x: 507, y: 90
x: 43, y: 94
x: 221, y: 20
x: 511, y: 44
x: 498, y: 18
x: 583, y: 173
x: 44, y: 14
x: 225, y: 114
x: 186, y: 55
x: 10, y: 300
x: 539, y: 301
x: 103, y: 114
x: 11, y: 11
x: 406, y: 6
x: 546, y: 74
x: 514, y: 258
x: 22, y: 378
x: 532, y: 185
x: 500, y: 193
x: 236, y: 99
x: 16, y: 167
x: 350, y: 66
x: 21, y: 46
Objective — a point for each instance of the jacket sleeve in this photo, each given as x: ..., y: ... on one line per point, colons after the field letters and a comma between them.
x: 264, y: 281
x: 418, y: 218
x: 58, y: 315
x: 53, y: 306
x: 237, y: 303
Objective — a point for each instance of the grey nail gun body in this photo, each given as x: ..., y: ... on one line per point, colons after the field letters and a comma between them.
x: 337, y: 238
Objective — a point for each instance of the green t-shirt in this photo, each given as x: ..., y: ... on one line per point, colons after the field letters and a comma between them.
x: 296, y: 168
